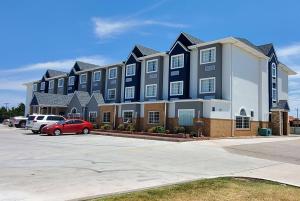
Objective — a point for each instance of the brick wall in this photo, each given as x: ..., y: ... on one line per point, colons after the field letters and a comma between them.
x: 160, y: 107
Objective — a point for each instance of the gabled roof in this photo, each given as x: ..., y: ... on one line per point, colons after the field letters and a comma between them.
x: 192, y: 39
x: 247, y: 42
x: 83, y: 97
x: 54, y: 73
x: 266, y: 48
x: 46, y: 99
x: 85, y: 66
x: 98, y: 97
x: 145, y: 50
x: 282, y: 104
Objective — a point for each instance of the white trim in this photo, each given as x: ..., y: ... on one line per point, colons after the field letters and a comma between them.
x: 63, y: 79
x: 274, y: 100
x: 156, y: 60
x: 209, y: 78
x: 80, y: 77
x: 207, y: 49
x: 179, y: 110
x: 51, y: 81
x: 34, y: 87
x: 149, y: 117
x: 273, y: 66
x: 126, y: 71
x: 106, y: 122
x: 171, y: 94
x: 123, y: 111
x: 111, y: 70
x: 112, y: 89
x: 99, y: 71
x: 90, y: 115
x: 126, y: 95
x: 154, y: 96
x: 152, y: 55
x: 72, y: 110
x: 44, y: 86
x: 178, y: 42
x: 69, y: 80
x: 177, y: 55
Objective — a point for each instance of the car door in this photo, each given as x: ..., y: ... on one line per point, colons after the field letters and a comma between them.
x: 78, y: 126
x: 68, y: 126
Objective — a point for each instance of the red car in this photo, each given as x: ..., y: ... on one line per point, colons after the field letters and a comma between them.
x: 68, y: 126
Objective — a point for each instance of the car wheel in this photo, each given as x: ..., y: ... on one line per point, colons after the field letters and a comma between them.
x: 85, y: 131
x: 35, y: 132
x: 57, y: 132
x: 22, y: 124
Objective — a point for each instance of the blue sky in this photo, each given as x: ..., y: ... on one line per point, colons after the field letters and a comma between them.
x: 36, y: 35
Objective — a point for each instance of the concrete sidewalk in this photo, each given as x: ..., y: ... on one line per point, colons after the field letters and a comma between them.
x: 68, y: 167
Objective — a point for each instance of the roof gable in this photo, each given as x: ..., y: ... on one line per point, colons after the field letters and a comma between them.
x: 186, y: 40
x: 98, y: 97
x: 50, y: 99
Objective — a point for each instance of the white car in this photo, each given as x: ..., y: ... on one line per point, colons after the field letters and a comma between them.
x: 18, y: 122
x: 30, y: 120
x: 43, y: 120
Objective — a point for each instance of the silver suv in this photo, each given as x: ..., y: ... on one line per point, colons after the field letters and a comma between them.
x: 43, y: 120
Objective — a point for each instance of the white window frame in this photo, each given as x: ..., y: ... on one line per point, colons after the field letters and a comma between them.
x: 73, y: 83
x: 103, y: 117
x: 80, y: 78
x: 111, y: 78
x: 208, y: 49
x: 132, y: 111
x: 148, y: 85
x: 190, y: 110
x: 243, y: 120
x: 275, y: 70
x: 95, y: 115
x: 108, y: 91
x: 180, y: 94
x: 128, y: 66
x: 177, y: 55
x: 95, y: 76
x: 63, y: 81
x: 149, y: 117
x: 200, y: 85
x: 51, y: 87
x: 126, y: 95
x: 34, y: 87
x: 43, y: 86
x: 274, y: 99
x: 152, y: 60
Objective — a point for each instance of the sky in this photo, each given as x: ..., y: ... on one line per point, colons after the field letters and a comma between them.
x: 36, y: 35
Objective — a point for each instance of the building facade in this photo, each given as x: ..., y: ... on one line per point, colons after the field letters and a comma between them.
x: 226, y: 87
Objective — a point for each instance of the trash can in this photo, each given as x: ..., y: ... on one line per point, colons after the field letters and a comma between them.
x: 265, y: 132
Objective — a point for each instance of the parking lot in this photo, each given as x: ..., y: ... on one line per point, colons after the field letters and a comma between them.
x: 66, y: 167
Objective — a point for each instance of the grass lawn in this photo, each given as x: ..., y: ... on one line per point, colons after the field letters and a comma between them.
x: 224, y: 189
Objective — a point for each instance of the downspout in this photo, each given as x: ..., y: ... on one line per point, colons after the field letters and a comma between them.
x: 114, y: 123
x: 165, y: 119
x: 231, y: 87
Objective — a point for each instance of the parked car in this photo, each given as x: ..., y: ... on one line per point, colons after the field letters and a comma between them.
x: 68, y: 126
x: 18, y: 122
x: 5, y: 122
x: 44, y: 120
x: 30, y: 119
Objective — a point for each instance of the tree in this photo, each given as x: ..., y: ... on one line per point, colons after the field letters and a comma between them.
x: 12, y: 112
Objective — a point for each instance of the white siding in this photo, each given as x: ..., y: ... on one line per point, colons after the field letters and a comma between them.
x: 29, y: 93
x: 282, y: 85
x: 222, y: 109
x: 171, y: 110
x: 226, y: 71
x: 194, y: 73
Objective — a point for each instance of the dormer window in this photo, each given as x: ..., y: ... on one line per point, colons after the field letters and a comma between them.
x: 71, y: 80
x: 83, y: 78
x: 51, y: 84
x: 152, y: 66
x: 61, y: 82
x: 112, y: 73
x: 34, y: 87
x: 208, y: 55
x: 42, y: 85
x: 177, y: 61
x: 130, y: 70
x: 97, y: 76
x: 273, y: 70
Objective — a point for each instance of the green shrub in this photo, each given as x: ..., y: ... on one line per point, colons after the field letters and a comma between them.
x: 131, y: 127
x: 179, y: 129
x: 121, y: 127
x: 157, y: 129
x: 106, y: 127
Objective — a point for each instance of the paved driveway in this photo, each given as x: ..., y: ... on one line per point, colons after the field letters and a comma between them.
x: 34, y: 167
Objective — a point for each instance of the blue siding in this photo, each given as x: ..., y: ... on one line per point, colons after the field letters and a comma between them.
x: 183, y: 73
x: 133, y: 80
x: 72, y: 89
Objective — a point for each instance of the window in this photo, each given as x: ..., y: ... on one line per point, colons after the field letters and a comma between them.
x: 130, y: 70
x: 273, y: 70
x: 55, y: 118
x: 208, y: 55
x: 177, y: 61
x: 127, y: 116
x: 207, y: 85
x: 176, y: 88
x: 111, y: 94
x: 40, y: 118
x: 43, y: 86
x: 93, y: 117
x: 83, y: 78
x: 152, y: 66
x: 35, y: 87
x: 129, y: 92
x: 186, y: 117
x: 51, y: 84
x: 151, y: 90
x: 274, y: 94
x: 252, y: 113
x: 61, y: 82
x: 112, y: 73
x: 106, y: 117
x: 153, y: 117
x: 97, y: 76
x: 71, y: 81
x: 242, y: 121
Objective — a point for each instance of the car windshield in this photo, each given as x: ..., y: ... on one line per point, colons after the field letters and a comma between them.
x: 61, y: 122
x: 31, y: 117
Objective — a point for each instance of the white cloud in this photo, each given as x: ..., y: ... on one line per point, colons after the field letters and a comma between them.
x: 108, y: 28
x: 288, y: 51
x: 65, y: 64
